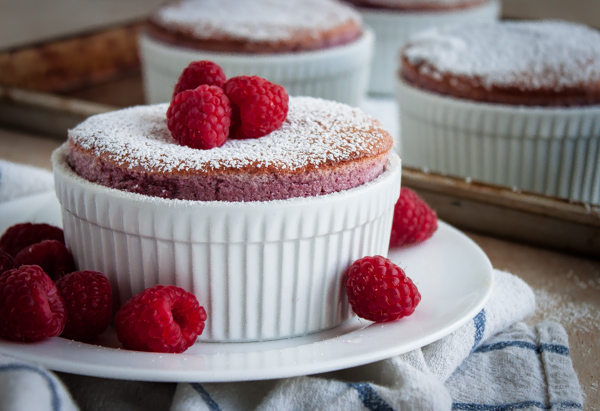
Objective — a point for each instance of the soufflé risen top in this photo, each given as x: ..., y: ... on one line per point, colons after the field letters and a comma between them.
x: 541, y: 63
x: 255, y: 26
x: 322, y: 147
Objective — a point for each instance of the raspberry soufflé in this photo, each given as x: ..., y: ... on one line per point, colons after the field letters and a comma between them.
x: 322, y: 147
x: 317, y: 48
x: 511, y: 103
x: 243, y: 210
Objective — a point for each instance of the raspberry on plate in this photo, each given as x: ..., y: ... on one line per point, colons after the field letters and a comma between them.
x: 31, y: 308
x: 160, y: 319
x: 259, y: 106
x: 19, y: 236
x: 198, y: 73
x: 378, y: 290
x: 200, y: 118
x: 52, y: 255
x: 6, y: 261
x: 88, y: 300
x: 414, y: 221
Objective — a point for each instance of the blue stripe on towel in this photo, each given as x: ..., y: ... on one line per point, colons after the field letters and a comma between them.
x: 51, y: 383
x: 210, y: 403
x: 515, y: 406
x: 555, y: 348
x: 479, y: 322
x: 369, y: 397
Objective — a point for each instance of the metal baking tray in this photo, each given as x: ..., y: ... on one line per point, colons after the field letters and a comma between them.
x: 49, y: 88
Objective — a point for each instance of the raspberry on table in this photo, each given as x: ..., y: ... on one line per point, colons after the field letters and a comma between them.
x: 378, y: 290
x: 414, y: 221
x: 6, y: 261
x: 88, y: 301
x: 52, y: 255
x: 259, y: 106
x: 160, y: 319
x: 200, y: 118
x: 19, y: 236
x: 31, y: 308
x: 198, y: 73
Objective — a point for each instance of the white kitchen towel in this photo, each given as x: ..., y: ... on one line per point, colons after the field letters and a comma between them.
x: 493, y: 362
x: 19, y: 180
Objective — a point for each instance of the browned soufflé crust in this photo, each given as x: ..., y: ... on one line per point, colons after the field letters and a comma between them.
x: 419, y: 5
x: 545, y: 63
x: 257, y: 26
x: 322, y: 147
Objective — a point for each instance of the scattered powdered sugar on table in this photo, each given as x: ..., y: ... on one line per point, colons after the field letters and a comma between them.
x: 581, y: 316
x: 532, y: 55
x: 315, y: 132
x: 256, y: 19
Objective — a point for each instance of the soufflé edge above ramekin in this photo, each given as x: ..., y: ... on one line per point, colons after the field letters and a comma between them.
x: 262, y: 269
x: 512, y: 103
x: 315, y: 48
x: 394, y: 25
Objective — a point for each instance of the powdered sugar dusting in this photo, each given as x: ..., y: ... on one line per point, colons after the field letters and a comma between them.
x: 532, y: 55
x: 581, y: 316
x: 256, y: 19
x: 316, y: 132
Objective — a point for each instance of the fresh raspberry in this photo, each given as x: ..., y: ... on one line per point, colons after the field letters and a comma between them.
x: 200, y: 118
x: 19, y: 236
x: 52, y: 255
x: 259, y: 106
x: 6, y: 262
x: 414, y: 221
x: 160, y: 319
x: 378, y: 290
x: 31, y: 308
x: 88, y: 300
x: 198, y: 73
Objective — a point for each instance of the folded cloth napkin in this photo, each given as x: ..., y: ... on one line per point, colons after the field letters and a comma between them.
x: 19, y: 180
x: 493, y: 362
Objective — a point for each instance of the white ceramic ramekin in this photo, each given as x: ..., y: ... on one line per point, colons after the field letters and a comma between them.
x: 338, y: 73
x: 262, y: 270
x: 394, y: 28
x: 552, y: 151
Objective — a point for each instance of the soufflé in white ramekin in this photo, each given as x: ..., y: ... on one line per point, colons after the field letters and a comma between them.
x: 317, y: 48
x: 511, y: 103
x: 260, y: 230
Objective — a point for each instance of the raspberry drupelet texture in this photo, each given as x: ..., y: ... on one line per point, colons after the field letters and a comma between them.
x: 31, y: 308
x: 200, y: 118
x: 19, y: 236
x: 88, y: 301
x: 378, y: 290
x: 259, y: 106
x: 414, y: 221
x: 198, y: 73
x: 160, y: 319
x: 52, y: 255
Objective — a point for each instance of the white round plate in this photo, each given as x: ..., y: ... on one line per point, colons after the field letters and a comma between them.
x: 452, y: 273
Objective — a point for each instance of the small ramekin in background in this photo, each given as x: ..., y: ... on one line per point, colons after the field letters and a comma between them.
x: 394, y: 28
x: 338, y: 73
x: 263, y: 270
x: 548, y: 150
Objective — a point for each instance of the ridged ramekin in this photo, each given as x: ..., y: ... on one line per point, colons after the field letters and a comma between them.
x: 337, y: 73
x: 552, y: 151
x: 394, y: 28
x: 262, y: 270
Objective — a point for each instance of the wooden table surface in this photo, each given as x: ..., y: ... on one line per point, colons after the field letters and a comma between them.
x: 567, y: 287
